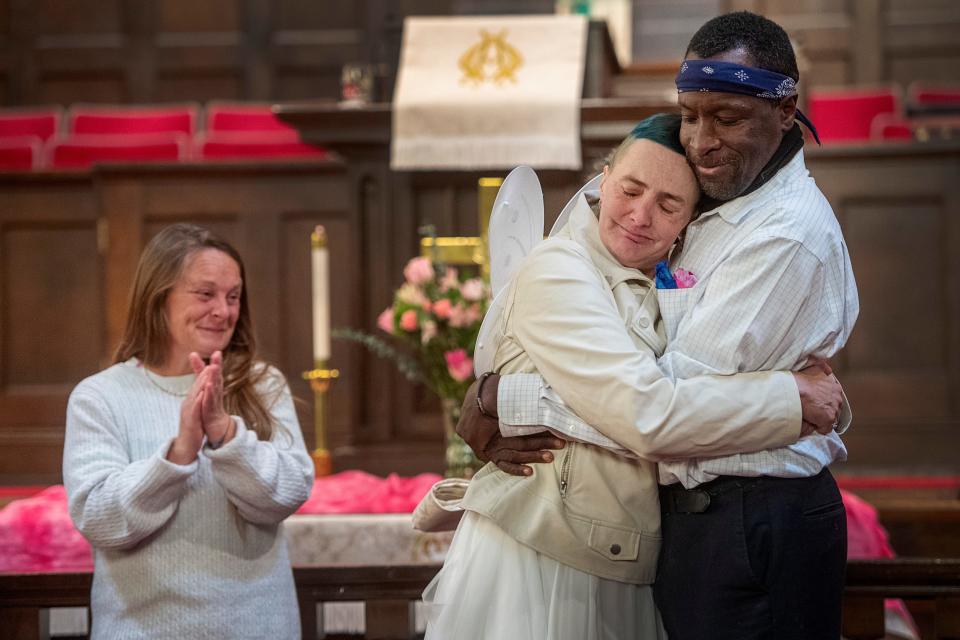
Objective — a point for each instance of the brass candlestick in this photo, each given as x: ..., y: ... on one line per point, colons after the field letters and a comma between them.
x: 320, y: 379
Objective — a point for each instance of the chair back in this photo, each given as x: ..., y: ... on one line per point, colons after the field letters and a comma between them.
x: 22, y: 153
x: 125, y: 120
x: 846, y: 115
x: 42, y: 123
x: 82, y: 151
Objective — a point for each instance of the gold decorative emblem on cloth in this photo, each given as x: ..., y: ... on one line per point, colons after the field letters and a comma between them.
x: 492, y: 59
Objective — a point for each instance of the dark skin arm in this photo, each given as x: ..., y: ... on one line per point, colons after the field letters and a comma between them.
x: 483, y: 434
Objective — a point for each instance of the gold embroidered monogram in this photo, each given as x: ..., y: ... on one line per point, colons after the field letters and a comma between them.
x: 492, y: 59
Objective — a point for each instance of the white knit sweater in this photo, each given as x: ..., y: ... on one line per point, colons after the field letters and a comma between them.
x: 182, y: 551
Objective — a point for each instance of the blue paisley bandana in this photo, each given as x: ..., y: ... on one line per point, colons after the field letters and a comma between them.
x: 729, y: 77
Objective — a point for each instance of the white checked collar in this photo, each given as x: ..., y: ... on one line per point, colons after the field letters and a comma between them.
x: 733, y: 211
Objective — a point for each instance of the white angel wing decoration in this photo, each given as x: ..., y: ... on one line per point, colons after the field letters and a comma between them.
x: 516, y: 225
x: 593, y: 185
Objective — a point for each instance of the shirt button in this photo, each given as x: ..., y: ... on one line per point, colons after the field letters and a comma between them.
x: 518, y: 416
x: 615, y: 549
x: 643, y: 323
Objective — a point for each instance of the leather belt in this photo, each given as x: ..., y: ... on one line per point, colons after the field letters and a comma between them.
x: 676, y: 499
x: 687, y: 501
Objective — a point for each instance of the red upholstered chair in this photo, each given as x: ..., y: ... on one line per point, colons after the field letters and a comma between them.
x: 21, y: 153
x: 81, y: 151
x: 42, y: 123
x: 234, y: 117
x: 265, y: 145
x: 845, y: 115
x: 117, y: 119
x: 929, y: 98
x: 890, y: 126
x: 247, y: 130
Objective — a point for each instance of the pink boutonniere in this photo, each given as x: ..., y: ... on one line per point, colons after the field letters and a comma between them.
x: 679, y: 279
x: 684, y: 279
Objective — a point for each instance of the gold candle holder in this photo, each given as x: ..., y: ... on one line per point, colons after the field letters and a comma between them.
x: 320, y: 379
x: 487, y: 190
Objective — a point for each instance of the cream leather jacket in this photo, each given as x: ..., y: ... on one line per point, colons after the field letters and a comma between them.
x: 591, y: 328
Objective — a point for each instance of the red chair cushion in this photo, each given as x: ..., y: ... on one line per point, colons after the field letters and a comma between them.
x: 921, y: 94
x: 132, y: 120
x: 82, y: 151
x: 847, y: 115
x: 41, y: 124
x: 278, y: 144
x: 20, y: 154
x: 243, y: 117
x: 890, y: 126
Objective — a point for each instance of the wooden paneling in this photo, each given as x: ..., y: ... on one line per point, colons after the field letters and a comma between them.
x: 662, y: 28
x: 48, y: 315
x: 78, y: 51
x: 311, y: 47
x: 868, y: 41
x: 187, y: 16
x: 912, y: 230
x: 199, y: 50
x: 177, y: 50
x: 51, y: 316
x: 920, y: 40
x: 901, y: 367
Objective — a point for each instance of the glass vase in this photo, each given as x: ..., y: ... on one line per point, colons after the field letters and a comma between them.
x: 460, y: 459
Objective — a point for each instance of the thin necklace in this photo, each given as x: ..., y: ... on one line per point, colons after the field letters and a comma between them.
x: 178, y: 394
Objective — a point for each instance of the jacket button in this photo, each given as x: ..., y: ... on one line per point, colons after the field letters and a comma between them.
x: 643, y: 323
x: 615, y: 549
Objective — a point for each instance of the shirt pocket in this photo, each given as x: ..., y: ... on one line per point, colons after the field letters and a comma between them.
x: 674, y: 306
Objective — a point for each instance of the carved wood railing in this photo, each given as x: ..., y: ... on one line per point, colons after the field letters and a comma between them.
x: 932, y: 585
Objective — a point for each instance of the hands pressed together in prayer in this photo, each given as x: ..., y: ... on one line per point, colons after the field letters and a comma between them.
x: 202, y: 413
x: 821, y: 398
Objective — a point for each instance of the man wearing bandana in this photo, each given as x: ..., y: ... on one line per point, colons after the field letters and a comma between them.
x: 754, y: 544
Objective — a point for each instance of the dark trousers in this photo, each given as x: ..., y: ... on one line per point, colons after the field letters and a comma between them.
x: 752, y: 558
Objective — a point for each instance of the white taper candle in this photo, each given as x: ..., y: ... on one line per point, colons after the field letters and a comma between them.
x: 320, y: 262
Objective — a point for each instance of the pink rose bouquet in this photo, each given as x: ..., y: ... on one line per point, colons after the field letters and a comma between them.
x: 435, y: 316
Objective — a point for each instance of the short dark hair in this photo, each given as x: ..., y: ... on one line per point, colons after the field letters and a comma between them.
x: 662, y: 128
x: 766, y: 41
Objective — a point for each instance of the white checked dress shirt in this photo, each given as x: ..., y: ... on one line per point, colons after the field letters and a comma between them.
x: 775, y: 287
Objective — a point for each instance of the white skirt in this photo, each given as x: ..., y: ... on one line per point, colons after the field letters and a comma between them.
x: 492, y: 587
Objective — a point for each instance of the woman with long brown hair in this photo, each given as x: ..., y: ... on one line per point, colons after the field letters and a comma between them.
x: 183, y: 458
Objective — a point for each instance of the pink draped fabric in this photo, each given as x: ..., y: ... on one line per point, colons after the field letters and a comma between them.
x: 867, y: 540
x: 359, y: 492
x: 37, y: 535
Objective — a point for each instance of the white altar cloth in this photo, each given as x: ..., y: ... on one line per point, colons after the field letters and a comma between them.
x: 489, y: 92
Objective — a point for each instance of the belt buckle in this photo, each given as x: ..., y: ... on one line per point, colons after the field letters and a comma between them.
x: 692, y: 501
